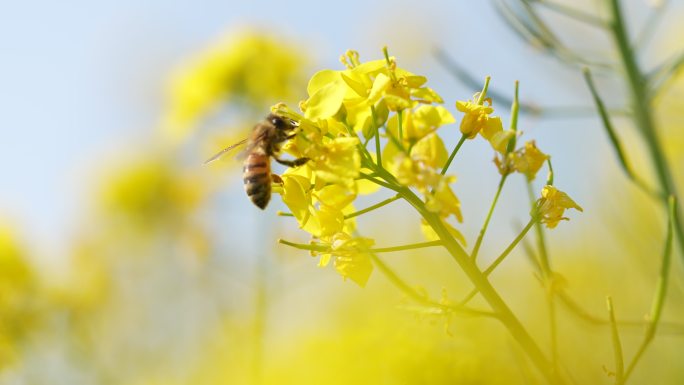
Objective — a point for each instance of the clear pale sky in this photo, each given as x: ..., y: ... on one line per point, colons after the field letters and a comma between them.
x: 80, y: 79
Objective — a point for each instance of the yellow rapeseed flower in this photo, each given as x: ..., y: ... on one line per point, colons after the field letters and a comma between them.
x: 552, y: 205
x: 528, y: 160
x: 363, y: 86
x: 318, y: 208
x: 477, y: 118
x: 252, y: 68
x: 150, y: 193
x: 19, y: 300
x: 350, y: 256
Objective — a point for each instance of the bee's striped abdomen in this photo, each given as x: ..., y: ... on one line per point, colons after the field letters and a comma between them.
x: 257, y: 178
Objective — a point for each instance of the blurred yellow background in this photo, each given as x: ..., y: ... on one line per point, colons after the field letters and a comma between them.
x: 124, y: 260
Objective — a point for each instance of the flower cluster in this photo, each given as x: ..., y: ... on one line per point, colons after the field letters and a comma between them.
x: 381, y: 106
x: 253, y: 68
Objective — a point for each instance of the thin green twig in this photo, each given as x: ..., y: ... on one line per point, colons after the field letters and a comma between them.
x: 574, y: 13
x: 483, y: 230
x: 326, y: 248
x: 420, y: 298
x: 376, y: 129
x: 660, y: 292
x: 617, y: 345
x: 614, y: 140
x: 453, y: 154
x: 373, y: 207
x: 650, y: 25
x: 643, y: 116
x: 500, y: 259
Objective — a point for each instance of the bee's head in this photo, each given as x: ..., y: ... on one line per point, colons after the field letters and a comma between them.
x: 282, y: 123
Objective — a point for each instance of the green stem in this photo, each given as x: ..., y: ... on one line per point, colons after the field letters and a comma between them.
x: 479, y: 280
x: 612, y: 135
x: 650, y: 25
x: 541, y: 240
x: 373, y: 207
x: 642, y: 108
x: 305, y: 246
x: 379, y: 182
x: 515, y: 111
x: 325, y: 248
x: 575, y: 14
x: 509, y: 320
x: 480, y: 237
x: 483, y: 93
x: 378, y: 151
x: 510, y: 247
x: 500, y: 258
x: 660, y: 293
x: 547, y: 273
x: 400, y: 125
x: 617, y: 345
x: 453, y: 154
x: 420, y: 298
x: 411, y: 246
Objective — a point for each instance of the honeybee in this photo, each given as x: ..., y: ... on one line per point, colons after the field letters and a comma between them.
x: 263, y: 144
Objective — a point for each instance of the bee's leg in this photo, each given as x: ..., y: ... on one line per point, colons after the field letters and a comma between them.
x: 275, y: 178
x: 292, y: 163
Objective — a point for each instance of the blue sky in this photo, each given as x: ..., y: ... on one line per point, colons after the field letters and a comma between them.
x: 82, y: 80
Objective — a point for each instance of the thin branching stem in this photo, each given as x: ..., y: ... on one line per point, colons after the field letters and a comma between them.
x: 576, y: 309
x: 378, y: 182
x: 660, y: 292
x: 546, y: 272
x: 491, y: 296
x: 614, y: 139
x: 400, y: 125
x: 643, y: 116
x: 500, y: 259
x: 574, y: 13
x: 326, y: 248
x: 373, y: 207
x: 483, y: 230
x: 617, y: 345
x: 376, y: 130
x: 650, y: 25
x: 453, y: 154
x: 411, y: 246
x: 420, y: 298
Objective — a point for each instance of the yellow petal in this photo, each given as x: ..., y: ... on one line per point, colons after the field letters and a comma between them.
x: 336, y: 196
x: 380, y: 85
x: 322, y: 79
x: 427, y: 95
x: 330, y: 219
x: 326, y: 101
x: 492, y: 126
x: 357, y: 86
x: 431, y: 149
x: 500, y: 140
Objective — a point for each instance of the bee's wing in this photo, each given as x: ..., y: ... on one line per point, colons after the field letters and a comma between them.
x: 223, y: 152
